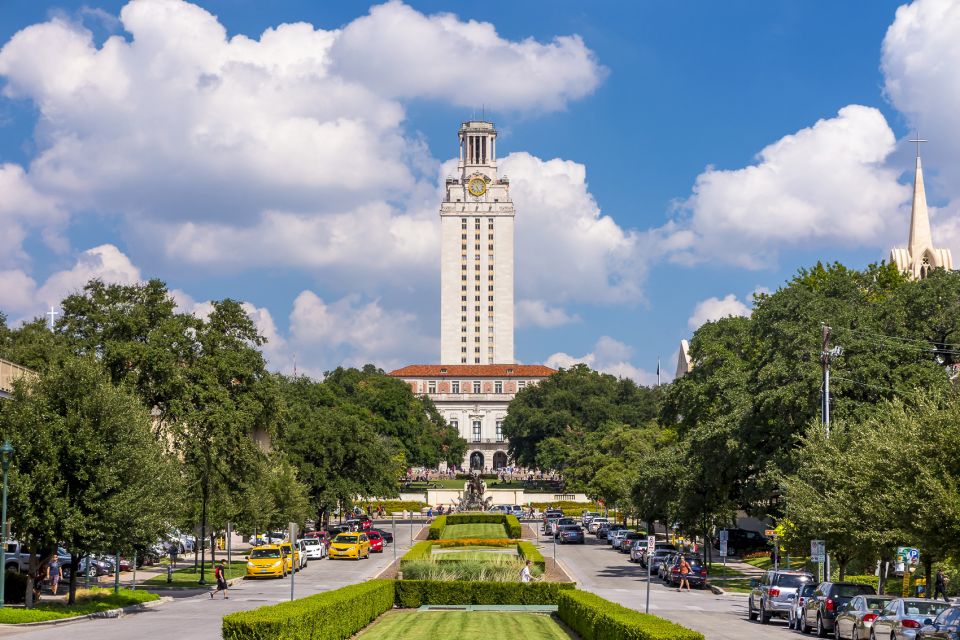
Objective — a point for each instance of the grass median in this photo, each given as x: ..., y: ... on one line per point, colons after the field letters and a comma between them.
x: 728, y: 579
x: 88, y: 601
x: 188, y: 576
x: 477, y: 530
x: 464, y: 625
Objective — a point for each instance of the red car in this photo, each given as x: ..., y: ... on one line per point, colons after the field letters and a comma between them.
x: 376, y: 541
x: 363, y: 523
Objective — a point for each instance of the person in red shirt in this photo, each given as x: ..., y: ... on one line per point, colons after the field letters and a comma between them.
x: 219, y: 572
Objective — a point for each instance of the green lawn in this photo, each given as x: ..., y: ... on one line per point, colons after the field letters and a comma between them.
x: 490, y: 530
x: 88, y: 601
x: 728, y: 579
x: 465, y: 625
x: 476, y: 554
x: 187, y: 576
x: 796, y: 562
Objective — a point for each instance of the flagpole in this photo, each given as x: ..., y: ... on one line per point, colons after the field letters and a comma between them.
x: 658, y: 371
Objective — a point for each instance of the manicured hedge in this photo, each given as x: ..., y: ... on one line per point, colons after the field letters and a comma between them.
x: 476, y: 518
x: 411, y: 594
x: 394, y: 506
x: 333, y: 615
x: 594, y: 618
x: 529, y: 552
x: 436, y: 528
x: 475, y: 542
x: 419, y: 551
x: 513, y: 527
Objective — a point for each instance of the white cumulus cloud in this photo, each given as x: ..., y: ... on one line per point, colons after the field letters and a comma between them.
x: 827, y: 182
x: 608, y: 356
x: 537, y: 313
x: 716, y: 308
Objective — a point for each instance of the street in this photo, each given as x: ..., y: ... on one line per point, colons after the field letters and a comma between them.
x: 601, y: 570
x: 197, y: 617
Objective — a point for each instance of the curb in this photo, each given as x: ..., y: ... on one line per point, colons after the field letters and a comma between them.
x: 717, y: 591
x: 110, y: 613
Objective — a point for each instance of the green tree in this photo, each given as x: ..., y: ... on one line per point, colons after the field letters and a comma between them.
x: 87, y: 469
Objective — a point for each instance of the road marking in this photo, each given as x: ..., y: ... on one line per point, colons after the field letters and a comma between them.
x: 692, y: 607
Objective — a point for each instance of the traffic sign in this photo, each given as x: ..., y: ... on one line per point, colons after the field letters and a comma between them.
x: 908, y: 555
x: 770, y: 533
x: 723, y: 548
x: 724, y: 535
x: 818, y: 550
x: 651, y: 544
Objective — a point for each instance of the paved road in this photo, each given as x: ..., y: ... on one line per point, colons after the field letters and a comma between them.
x: 597, y: 568
x: 196, y: 617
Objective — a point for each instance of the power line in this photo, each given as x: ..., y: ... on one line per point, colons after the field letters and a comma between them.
x: 929, y: 343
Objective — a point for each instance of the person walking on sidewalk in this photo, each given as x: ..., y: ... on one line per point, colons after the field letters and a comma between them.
x: 219, y: 572
x: 939, y: 590
x: 684, y: 572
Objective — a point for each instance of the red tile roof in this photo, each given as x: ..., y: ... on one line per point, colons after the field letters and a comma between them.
x: 473, y: 371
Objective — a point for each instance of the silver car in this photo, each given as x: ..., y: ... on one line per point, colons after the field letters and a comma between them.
x: 902, y: 618
x: 855, y: 618
x: 773, y: 595
x: 595, y: 524
x: 617, y: 537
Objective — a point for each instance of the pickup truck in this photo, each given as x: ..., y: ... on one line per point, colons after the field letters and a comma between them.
x: 16, y: 559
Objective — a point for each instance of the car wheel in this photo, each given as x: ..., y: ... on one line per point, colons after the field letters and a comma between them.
x: 836, y: 630
x: 764, y: 615
x: 750, y: 612
x: 804, y: 627
x: 91, y: 571
x: 821, y: 631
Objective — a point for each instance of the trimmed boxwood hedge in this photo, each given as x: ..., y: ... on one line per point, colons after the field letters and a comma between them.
x: 419, y: 551
x: 529, y: 552
x: 333, y: 615
x: 411, y: 594
x: 436, y: 528
x: 594, y: 618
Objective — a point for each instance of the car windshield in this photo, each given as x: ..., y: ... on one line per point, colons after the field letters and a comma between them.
x: 851, y: 590
x: 257, y: 554
x: 793, y: 581
x: 875, y: 604
x: 347, y: 539
x: 633, y: 535
x: 310, y: 542
x: 923, y: 608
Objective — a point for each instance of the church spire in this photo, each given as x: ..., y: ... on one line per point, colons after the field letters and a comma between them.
x: 920, y: 237
x: 919, y: 257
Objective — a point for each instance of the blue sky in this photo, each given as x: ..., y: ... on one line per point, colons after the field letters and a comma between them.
x: 213, y: 164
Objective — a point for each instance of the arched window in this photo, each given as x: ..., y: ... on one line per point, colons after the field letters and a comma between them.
x: 476, y: 461
x: 499, y: 460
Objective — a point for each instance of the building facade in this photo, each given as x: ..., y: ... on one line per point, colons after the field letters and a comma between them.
x: 474, y: 399
x: 919, y: 257
x: 476, y: 255
x: 9, y: 373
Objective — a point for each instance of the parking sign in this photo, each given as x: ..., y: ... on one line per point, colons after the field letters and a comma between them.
x: 724, y: 535
x: 651, y: 544
x: 818, y: 550
x: 723, y: 548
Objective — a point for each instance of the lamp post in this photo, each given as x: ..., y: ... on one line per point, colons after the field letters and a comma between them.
x: 7, y: 451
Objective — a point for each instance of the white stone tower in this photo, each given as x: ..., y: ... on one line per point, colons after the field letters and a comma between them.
x: 920, y: 256
x: 476, y: 255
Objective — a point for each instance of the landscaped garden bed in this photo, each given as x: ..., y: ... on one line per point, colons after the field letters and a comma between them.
x: 474, y: 525
x: 465, y: 625
x: 88, y: 601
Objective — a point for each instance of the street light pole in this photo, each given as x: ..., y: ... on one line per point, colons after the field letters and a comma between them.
x: 7, y: 451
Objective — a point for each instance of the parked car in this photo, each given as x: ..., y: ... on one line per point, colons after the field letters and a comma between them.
x: 820, y: 610
x: 797, y: 600
x: 595, y: 523
x: 770, y: 596
x: 295, y: 559
x: 267, y: 538
x: 740, y: 541
x: 386, y: 535
x: 855, y: 618
x: 92, y: 567
x: 314, y: 548
x: 266, y: 561
x: 945, y: 626
x: 360, y: 523
x: 570, y: 533
x: 548, y: 526
x: 517, y: 510
x: 904, y: 617
x: 664, y: 565
x: 349, y: 545
x: 641, y: 552
x: 611, y: 530
x: 616, y: 537
x: 698, y: 570
x: 334, y: 529
x: 562, y: 522
x: 587, y: 516
x: 376, y: 541
x: 658, y: 558
x: 630, y: 539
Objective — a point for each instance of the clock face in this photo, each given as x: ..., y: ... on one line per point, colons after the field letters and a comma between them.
x: 477, y: 187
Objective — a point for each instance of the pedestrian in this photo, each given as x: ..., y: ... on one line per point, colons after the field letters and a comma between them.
x: 54, y: 573
x: 525, y: 572
x: 174, y: 547
x: 684, y: 572
x: 940, y: 589
x: 219, y: 572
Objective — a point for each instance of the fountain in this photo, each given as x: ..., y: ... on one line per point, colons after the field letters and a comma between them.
x: 473, y: 490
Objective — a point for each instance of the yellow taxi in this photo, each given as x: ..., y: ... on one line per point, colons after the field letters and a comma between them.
x: 267, y: 561
x: 291, y: 556
x: 349, y: 545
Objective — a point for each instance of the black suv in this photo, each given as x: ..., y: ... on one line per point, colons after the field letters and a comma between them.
x: 741, y: 541
x: 820, y: 610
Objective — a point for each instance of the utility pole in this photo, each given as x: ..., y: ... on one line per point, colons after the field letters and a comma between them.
x: 825, y: 361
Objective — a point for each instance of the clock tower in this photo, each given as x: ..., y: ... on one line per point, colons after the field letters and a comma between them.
x: 476, y: 255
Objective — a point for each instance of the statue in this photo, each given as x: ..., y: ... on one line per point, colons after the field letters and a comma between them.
x: 473, y: 491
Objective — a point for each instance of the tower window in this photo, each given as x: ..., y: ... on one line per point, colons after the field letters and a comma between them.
x: 490, y: 277
x: 432, y: 386
x: 463, y: 288
x: 476, y: 278
x: 463, y: 298
x: 489, y: 236
x: 476, y: 361
x: 490, y: 288
x: 463, y: 361
x: 476, y: 349
x: 463, y: 236
x: 476, y: 387
x: 498, y: 385
x: 463, y: 338
x: 490, y: 248
x: 463, y: 277
x: 463, y: 308
x: 477, y: 236
x: 456, y: 386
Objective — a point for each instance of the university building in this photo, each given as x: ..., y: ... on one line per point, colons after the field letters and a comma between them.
x: 477, y: 376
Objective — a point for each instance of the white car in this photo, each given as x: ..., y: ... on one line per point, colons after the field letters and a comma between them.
x: 314, y: 549
x: 595, y: 524
x: 302, y: 548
